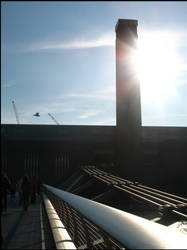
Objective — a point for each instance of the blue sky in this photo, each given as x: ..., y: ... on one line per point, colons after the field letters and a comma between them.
x: 59, y: 58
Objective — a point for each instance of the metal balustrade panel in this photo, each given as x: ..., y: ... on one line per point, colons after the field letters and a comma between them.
x: 97, y: 226
x: 85, y: 233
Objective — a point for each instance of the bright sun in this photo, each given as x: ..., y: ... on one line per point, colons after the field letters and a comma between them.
x: 157, y: 63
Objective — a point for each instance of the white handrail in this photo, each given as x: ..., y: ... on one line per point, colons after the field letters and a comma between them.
x: 130, y: 230
x: 61, y: 236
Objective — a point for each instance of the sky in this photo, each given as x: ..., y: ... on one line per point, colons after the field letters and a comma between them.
x: 59, y: 58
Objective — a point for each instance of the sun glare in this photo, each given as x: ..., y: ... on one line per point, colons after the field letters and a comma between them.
x: 157, y: 64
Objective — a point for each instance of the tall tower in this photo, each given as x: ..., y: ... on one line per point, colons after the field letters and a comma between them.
x: 128, y: 107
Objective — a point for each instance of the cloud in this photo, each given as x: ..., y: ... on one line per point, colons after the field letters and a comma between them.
x: 98, y: 96
x: 182, y: 38
x: 53, y: 108
x: 73, y: 103
x: 8, y: 120
x: 183, y: 67
x: 105, y: 122
x: 89, y: 114
x: 108, y: 93
x: 26, y: 113
x: 9, y: 84
x: 181, y: 115
x: 107, y: 39
x: 78, y: 111
x: 176, y: 37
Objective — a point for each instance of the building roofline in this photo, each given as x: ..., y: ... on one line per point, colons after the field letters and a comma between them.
x: 126, y: 22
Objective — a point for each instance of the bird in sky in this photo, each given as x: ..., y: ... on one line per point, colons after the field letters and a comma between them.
x: 37, y: 114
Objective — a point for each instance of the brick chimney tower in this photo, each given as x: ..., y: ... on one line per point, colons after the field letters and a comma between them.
x: 128, y: 107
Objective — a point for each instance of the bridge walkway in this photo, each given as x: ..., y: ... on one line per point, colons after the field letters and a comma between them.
x: 21, y: 229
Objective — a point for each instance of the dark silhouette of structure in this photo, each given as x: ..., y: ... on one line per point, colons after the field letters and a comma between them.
x: 15, y: 111
x: 52, y: 117
x: 128, y: 113
x: 152, y: 155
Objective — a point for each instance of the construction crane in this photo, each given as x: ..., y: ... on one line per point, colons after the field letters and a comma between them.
x: 15, y: 111
x: 53, y: 119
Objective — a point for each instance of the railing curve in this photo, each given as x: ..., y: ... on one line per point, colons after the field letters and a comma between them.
x: 61, y: 237
x: 111, y: 226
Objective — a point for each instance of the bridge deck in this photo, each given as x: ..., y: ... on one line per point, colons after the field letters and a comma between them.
x: 21, y: 229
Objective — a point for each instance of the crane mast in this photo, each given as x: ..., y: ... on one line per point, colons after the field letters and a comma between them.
x: 53, y: 119
x: 15, y: 111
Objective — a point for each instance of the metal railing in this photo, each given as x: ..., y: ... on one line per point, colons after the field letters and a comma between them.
x: 93, y: 225
x: 82, y: 231
x: 46, y: 231
x: 163, y: 201
x: 61, y: 237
